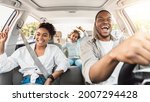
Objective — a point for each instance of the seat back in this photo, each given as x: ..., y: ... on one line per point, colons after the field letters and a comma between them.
x: 6, y: 78
x: 72, y: 76
x: 17, y: 76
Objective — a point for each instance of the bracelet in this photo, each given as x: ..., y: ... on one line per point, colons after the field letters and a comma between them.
x: 51, y: 76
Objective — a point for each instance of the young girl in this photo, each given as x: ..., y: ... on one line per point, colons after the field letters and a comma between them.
x: 49, y: 55
x: 72, y: 47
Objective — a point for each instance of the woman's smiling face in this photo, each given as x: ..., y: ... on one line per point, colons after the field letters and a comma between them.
x: 42, y: 37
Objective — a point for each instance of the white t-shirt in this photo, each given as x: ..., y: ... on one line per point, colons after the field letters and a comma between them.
x: 106, y: 46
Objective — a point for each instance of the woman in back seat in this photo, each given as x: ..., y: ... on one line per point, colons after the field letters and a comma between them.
x: 49, y: 55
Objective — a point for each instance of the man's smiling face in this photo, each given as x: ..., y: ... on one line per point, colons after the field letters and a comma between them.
x: 103, y: 24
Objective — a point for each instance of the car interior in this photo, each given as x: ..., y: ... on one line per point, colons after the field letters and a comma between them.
x: 66, y: 15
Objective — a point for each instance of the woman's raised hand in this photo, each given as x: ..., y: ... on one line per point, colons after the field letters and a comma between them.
x: 3, y: 36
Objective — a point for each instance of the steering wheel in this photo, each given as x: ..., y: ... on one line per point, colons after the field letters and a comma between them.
x: 128, y: 77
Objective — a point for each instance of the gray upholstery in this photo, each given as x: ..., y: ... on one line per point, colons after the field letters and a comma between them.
x: 6, y: 78
x: 16, y: 77
x: 52, y: 42
x: 72, y: 76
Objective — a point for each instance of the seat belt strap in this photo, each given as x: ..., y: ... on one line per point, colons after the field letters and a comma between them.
x: 34, y: 57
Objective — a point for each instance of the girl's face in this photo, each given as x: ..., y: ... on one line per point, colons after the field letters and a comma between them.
x: 74, y: 37
x: 42, y: 37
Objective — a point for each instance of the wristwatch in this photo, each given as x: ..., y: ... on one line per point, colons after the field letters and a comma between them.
x: 51, y: 76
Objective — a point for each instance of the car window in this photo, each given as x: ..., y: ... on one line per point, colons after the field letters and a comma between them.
x: 28, y: 29
x: 115, y: 28
x: 5, y: 13
x: 140, y: 15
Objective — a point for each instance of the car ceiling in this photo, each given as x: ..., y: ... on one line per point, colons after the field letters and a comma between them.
x: 59, y: 11
x: 64, y: 11
x: 65, y: 5
x: 84, y: 10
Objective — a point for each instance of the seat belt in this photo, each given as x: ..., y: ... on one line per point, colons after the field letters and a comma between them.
x: 34, y: 56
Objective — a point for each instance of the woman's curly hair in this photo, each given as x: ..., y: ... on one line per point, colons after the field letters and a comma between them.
x: 49, y: 27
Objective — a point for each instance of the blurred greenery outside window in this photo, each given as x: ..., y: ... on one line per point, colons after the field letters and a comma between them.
x: 29, y: 27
